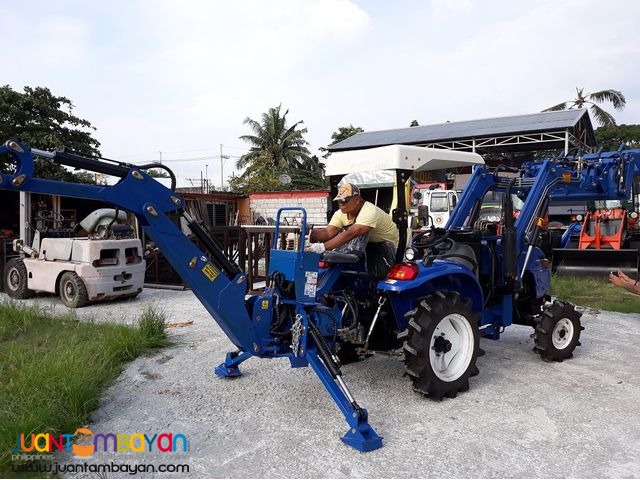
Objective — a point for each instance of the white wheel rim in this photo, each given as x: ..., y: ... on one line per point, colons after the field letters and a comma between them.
x: 14, y: 279
x: 451, y: 347
x: 562, y: 333
x: 69, y: 290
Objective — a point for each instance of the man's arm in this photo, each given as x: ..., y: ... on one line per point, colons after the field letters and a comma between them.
x: 323, y: 234
x: 622, y: 280
x: 343, y: 237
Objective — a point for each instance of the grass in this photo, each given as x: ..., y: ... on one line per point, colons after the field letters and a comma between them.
x: 53, y: 369
x: 595, y: 293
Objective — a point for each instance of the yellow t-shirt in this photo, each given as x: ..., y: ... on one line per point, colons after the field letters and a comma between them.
x: 382, y: 227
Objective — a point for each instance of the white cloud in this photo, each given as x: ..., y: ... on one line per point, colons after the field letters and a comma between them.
x: 180, y: 76
x: 443, y: 9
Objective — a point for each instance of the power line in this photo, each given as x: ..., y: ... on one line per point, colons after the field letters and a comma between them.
x: 164, y: 152
x: 192, y: 159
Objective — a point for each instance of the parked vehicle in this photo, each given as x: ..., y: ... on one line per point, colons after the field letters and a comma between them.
x: 471, y: 279
x: 105, y: 264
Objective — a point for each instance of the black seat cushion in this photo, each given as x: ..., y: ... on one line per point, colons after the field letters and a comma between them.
x: 332, y: 256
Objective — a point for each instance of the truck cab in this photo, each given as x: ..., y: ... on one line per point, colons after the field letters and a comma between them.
x: 437, y: 198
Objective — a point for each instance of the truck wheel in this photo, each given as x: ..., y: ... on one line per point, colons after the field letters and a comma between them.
x: 73, y: 293
x: 15, y: 279
x: 557, y: 332
x: 441, y: 345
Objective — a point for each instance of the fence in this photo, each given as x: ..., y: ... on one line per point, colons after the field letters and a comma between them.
x: 248, y: 245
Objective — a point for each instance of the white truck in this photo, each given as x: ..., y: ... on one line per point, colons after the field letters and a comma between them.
x: 104, y: 265
x: 441, y: 202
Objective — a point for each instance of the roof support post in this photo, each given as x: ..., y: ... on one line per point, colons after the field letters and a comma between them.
x: 25, y: 217
x: 566, y: 142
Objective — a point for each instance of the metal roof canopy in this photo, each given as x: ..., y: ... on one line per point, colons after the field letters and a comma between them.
x: 398, y: 157
x: 538, y: 131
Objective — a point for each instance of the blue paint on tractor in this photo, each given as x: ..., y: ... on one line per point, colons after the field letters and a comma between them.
x: 492, y: 272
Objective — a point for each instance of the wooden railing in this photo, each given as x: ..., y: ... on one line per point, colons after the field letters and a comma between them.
x: 247, y: 245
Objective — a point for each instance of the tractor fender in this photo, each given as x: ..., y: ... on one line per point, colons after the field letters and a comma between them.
x: 537, y: 271
x: 403, y: 295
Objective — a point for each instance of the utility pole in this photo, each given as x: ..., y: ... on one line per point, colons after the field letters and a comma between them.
x: 160, y: 155
x: 206, y: 177
x: 222, y: 159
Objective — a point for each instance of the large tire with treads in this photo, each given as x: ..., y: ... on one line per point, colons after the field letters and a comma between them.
x: 73, y: 292
x: 441, y: 344
x: 557, y: 331
x: 15, y: 279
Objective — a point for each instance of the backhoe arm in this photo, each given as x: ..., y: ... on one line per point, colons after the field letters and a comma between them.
x: 217, y: 283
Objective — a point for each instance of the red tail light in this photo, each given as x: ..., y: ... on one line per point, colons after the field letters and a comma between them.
x: 403, y: 271
x: 323, y: 264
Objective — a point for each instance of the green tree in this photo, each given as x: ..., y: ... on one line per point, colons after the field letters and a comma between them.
x: 284, y: 145
x: 603, y: 118
x: 259, y: 176
x: 341, y: 134
x: 45, y: 121
x: 310, y: 176
x: 611, y: 137
x: 344, y: 132
x: 157, y: 173
x: 277, y: 149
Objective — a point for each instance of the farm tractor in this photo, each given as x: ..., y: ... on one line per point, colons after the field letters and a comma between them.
x: 606, y: 236
x: 455, y: 285
x: 106, y: 264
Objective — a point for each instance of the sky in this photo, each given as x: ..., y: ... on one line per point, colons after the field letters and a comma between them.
x: 180, y: 77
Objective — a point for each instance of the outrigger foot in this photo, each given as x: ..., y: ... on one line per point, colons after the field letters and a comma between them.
x: 363, y: 439
x: 229, y: 369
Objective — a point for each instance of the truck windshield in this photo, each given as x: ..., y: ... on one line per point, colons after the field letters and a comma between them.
x: 439, y: 202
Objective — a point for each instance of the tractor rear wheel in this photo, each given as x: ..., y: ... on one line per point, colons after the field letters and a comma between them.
x: 15, y: 279
x: 73, y: 292
x: 557, y: 331
x: 441, y: 345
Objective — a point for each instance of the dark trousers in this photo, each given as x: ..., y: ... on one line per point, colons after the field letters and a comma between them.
x: 380, y: 258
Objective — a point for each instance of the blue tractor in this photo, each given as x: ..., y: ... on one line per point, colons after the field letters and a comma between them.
x: 452, y: 286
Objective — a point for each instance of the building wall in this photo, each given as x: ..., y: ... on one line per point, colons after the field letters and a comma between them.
x: 266, y: 205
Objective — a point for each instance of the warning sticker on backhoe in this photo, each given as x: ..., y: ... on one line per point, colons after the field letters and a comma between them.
x: 210, y: 272
x: 311, y: 284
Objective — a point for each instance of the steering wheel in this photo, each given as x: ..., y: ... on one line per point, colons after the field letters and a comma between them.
x: 49, y: 216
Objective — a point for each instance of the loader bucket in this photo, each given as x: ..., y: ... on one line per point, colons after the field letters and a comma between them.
x: 596, y: 263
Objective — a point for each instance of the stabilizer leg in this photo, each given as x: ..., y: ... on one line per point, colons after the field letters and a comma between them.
x: 360, y: 435
x: 229, y: 368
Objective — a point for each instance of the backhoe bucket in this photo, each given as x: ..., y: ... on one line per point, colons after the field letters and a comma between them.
x: 596, y: 263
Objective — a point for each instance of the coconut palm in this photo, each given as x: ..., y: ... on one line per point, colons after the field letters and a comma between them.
x: 615, y: 97
x: 285, y: 146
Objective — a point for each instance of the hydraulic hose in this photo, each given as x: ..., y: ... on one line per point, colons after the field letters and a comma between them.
x: 509, y: 239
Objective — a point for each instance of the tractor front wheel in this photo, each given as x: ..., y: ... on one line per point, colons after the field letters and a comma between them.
x: 557, y: 331
x: 441, y: 345
x: 15, y: 279
x: 73, y: 292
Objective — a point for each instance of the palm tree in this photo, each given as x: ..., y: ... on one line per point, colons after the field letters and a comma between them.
x: 605, y: 119
x: 285, y: 146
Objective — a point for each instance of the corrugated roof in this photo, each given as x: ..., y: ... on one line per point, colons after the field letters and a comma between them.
x: 517, y: 124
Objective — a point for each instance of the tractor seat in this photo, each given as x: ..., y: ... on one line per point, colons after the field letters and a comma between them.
x: 334, y: 257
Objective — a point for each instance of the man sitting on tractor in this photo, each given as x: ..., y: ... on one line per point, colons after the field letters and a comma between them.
x: 358, y: 217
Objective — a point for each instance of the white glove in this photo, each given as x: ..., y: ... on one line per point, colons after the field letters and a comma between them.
x: 315, y: 247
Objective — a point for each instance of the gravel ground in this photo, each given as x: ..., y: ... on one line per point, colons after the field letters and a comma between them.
x: 522, y: 417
